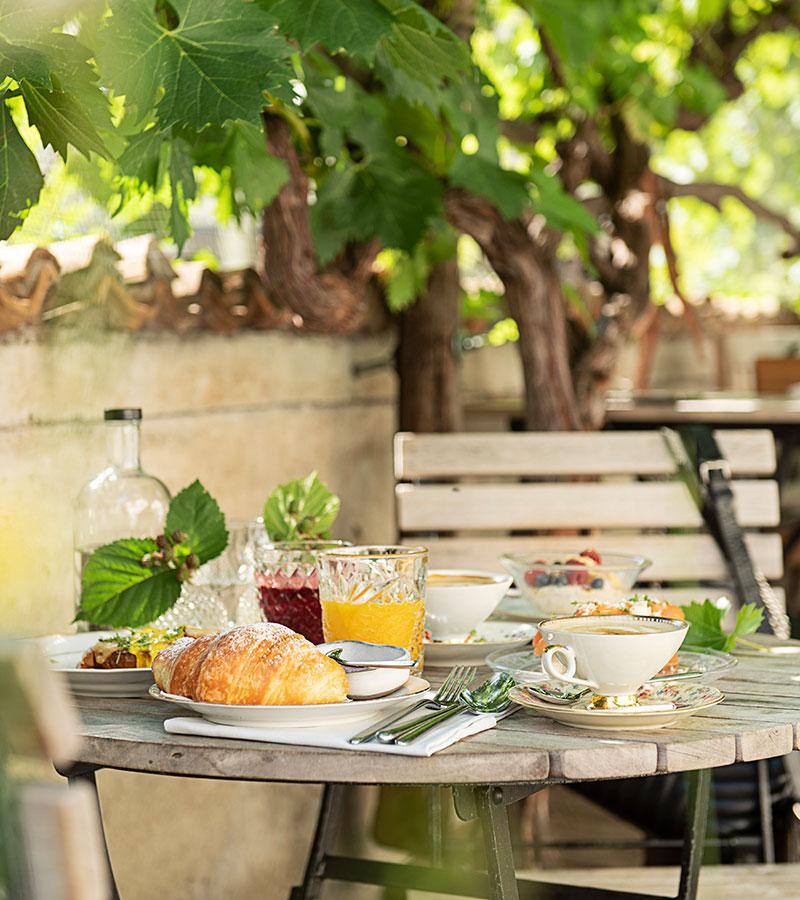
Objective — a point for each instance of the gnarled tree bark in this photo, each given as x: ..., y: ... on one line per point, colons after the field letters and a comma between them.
x: 343, y: 298
x: 524, y: 260
x: 427, y: 355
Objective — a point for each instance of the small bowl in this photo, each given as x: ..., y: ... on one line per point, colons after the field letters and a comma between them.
x: 555, y: 588
x: 370, y: 682
x: 453, y: 610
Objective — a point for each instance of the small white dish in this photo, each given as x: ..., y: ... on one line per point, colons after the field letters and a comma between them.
x: 375, y: 681
x: 685, y: 701
x: 458, y: 600
x: 64, y: 653
x: 487, y: 638
x: 298, y: 715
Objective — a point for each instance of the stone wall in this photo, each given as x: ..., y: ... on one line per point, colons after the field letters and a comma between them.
x: 242, y: 413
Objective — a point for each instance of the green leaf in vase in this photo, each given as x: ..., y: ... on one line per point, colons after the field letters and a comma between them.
x: 303, y: 509
x: 119, y: 590
x: 197, y: 514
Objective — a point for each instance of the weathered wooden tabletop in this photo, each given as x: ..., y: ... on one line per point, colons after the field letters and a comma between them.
x: 759, y: 718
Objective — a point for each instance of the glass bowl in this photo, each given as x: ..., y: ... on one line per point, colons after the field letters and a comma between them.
x: 555, y: 582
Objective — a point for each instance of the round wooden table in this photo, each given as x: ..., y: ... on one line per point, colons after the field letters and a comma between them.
x: 759, y: 719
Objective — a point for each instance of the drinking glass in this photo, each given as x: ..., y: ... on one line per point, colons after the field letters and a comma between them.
x: 375, y: 594
x: 288, y: 587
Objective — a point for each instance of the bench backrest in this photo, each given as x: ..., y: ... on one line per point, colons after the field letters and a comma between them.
x: 470, y: 497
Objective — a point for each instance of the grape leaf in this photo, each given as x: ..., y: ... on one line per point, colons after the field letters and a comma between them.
x: 195, y: 512
x: 421, y: 46
x: 482, y: 176
x: 303, y: 509
x: 20, y: 177
x: 357, y: 25
x: 182, y: 189
x: 118, y: 590
x: 214, y: 65
x: 706, y: 630
x: 61, y: 119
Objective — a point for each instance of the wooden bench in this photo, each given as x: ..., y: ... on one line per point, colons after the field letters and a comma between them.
x: 470, y: 497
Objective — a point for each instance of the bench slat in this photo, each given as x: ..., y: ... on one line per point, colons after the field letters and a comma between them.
x: 676, y: 557
x: 504, y: 507
x: 417, y: 456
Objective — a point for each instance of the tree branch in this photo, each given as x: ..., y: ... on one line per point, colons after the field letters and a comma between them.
x: 713, y: 193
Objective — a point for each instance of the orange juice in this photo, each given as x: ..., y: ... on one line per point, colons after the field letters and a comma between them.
x: 394, y: 622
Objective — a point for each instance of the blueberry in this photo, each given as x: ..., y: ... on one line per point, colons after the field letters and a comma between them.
x: 561, y: 580
x: 542, y: 579
x: 597, y: 583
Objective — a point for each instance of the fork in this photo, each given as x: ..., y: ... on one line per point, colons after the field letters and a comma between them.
x: 449, y: 690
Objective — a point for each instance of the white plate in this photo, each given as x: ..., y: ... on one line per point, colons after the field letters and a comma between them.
x: 295, y: 716
x: 693, y: 665
x: 688, y: 699
x: 489, y: 637
x: 64, y: 653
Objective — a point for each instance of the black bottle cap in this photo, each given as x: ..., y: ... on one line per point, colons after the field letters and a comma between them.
x: 115, y: 415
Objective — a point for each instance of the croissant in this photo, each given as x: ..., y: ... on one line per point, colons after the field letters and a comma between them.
x: 264, y: 664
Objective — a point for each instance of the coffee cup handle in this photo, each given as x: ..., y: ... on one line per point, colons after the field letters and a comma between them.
x: 568, y: 658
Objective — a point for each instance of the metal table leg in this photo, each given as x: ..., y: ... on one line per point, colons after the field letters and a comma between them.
x: 323, y: 843
x: 697, y: 796
x: 765, y: 809
x: 86, y: 775
x: 493, y: 816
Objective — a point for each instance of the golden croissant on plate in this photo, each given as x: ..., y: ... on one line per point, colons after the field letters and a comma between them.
x: 264, y: 664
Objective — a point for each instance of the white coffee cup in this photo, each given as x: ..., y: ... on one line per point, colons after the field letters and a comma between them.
x: 590, y: 651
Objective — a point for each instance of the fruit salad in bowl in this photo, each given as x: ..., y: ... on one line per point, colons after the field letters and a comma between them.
x: 555, y: 582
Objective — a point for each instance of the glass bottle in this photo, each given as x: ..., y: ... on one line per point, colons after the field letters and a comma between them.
x: 122, y: 500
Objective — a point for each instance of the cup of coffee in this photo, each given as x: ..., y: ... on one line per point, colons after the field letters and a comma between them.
x: 613, y: 655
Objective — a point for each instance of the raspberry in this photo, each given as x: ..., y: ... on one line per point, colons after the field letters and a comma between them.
x: 593, y: 554
x: 532, y: 575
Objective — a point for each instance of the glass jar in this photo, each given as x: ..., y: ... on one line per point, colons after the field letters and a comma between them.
x: 122, y: 500
x: 288, y: 587
x: 375, y: 594
x: 222, y: 593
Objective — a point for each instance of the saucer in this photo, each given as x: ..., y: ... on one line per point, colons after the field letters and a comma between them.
x: 488, y: 637
x: 693, y: 665
x: 687, y: 700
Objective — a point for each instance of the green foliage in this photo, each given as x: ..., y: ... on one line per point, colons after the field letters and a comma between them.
x: 195, y: 513
x: 119, y: 591
x: 706, y: 625
x: 213, y: 66
x: 132, y: 581
x: 338, y: 24
x: 20, y: 178
x: 303, y: 509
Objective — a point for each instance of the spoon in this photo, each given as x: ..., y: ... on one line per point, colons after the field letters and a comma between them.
x: 336, y: 656
x: 489, y: 697
x: 558, y: 697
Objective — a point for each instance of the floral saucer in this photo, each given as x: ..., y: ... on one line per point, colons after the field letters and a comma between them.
x: 685, y: 700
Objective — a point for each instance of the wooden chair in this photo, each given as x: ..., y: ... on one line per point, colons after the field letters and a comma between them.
x: 470, y: 497
x: 51, y: 844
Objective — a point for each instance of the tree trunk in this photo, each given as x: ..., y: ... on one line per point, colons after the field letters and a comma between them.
x: 527, y: 267
x: 427, y: 355
x: 340, y: 300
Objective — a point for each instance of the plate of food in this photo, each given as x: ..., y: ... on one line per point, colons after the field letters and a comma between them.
x: 265, y: 675
x: 109, y: 663
x: 488, y: 637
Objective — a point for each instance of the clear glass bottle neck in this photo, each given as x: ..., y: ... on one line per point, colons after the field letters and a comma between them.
x: 123, y: 445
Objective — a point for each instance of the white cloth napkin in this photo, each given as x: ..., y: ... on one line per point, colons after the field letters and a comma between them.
x: 335, y: 736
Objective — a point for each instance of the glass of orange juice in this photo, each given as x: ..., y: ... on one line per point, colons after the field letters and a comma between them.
x: 375, y: 594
